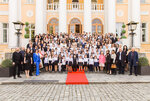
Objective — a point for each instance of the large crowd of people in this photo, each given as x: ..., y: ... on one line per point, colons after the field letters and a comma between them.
x: 75, y: 52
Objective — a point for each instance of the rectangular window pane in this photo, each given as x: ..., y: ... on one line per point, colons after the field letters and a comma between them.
x: 144, y: 32
x: 5, y: 35
x: 119, y: 1
x: 4, y: 25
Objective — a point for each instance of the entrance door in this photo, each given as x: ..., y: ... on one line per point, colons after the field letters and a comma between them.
x: 53, y: 26
x: 77, y: 28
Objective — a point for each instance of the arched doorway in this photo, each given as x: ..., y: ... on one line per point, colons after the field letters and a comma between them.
x: 97, y: 26
x: 75, y: 26
x: 53, y: 26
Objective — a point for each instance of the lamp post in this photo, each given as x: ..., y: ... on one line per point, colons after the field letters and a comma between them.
x: 132, y: 27
x: 18, y: 27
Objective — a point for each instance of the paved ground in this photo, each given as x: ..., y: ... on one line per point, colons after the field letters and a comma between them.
x: 92, y: 78
x: 59, y: 92
x: 102, y: 87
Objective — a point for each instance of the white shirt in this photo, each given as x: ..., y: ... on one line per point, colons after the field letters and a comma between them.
x: 86, y: 60
x: 46, y: 60
x: 91, y: 61
x: 95, y: 60
x: 63, y: 62
x: 81, y: 60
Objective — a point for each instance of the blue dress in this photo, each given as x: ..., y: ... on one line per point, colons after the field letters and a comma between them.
x: 36, y: 59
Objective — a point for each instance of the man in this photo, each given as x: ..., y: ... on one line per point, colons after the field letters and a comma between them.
x: 121, y: 59
x: 133, y: 61
x: 114, y: 39
x: 22, y: 52
x: 16, y: 57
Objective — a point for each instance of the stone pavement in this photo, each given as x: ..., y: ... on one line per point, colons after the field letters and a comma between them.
x: 61, y: 92
x: 102, y: 87
x: 92, y: 78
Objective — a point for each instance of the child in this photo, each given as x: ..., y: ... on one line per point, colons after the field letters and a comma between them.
x: 59, y: 62
x: 96, y: 63
x: 46, y: 62
x: 70, y: 63
x: 102, y: 61
x: 63, y: 66
x: 80, y: 61
x: 85, y: 63
x: 91, y: 63
x: 55, y: 62
x: 50, y: 62
x: 74, y: 63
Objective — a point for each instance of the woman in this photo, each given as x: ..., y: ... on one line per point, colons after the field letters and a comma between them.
x: 28, y: 62
x: 108, y: 61
x: 102, y: 61
x: 36, y: 58
x: 113, y: 63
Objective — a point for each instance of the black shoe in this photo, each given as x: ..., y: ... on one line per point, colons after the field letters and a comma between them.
x: 14, y: 77
x: 135, y: 74
x: 130, y: 74
x: 19, y: 77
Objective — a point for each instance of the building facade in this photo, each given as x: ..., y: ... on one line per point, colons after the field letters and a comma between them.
x: 76, y: 16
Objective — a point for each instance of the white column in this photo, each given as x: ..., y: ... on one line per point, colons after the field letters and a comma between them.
x: 13, y: 17
x: 62, y: 16
x: 40, y: 17
x: 105, y: 16
x: 87, y: 16
x: 134, y: 15
x: 111, y: 16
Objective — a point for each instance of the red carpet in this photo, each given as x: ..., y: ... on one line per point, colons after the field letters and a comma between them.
x: 75, y: 78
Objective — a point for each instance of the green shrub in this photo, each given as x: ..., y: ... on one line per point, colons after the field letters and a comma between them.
x: 143, y: 61
x: 26, y: 23
x: 7, y: 63
x: 123, y: 26
x: 123, y: 31
x: 26, y: 36
x: 123, y: 37
x: 27, y: 29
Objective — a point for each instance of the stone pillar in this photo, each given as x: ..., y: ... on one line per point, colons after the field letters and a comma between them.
x: 87, y: 16
x: 40, y: 22
x: 134, y: 15
x: 13, y: 17
x: 111, y: 16
x: 105, y: 17
x: 62, y: 16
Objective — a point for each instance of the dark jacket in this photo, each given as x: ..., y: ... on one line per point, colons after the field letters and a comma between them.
x: 135, y: 58
x: 123, y: 58
x: 17, y: 57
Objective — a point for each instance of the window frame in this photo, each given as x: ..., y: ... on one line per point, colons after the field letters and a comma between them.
x: 146, y: 34
x: 7, y: 29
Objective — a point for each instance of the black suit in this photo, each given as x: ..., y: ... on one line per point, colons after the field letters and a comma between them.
x: 114, y: 40
x: 121, y: 61
x: 16, y: 57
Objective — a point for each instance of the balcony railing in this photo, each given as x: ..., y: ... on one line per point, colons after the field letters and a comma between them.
x: 53, y: 6
x: 75, y: 6
x: 97, y: 7
x: 4, y: 1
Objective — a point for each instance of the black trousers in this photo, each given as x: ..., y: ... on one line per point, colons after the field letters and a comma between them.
x: 108, y: 66
x: 74, y: 67
x: 121, y: 68
x: 31, y: 69
x: 131, y: 67
x: 91, y: 68
x: 17, y: 67
x: 63, y: 67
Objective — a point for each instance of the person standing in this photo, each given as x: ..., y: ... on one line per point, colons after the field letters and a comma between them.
x: 16, y: 58
x: 133, y: 61
x: 36, y: 58
x: 27, y: 62
x: 121, y: 61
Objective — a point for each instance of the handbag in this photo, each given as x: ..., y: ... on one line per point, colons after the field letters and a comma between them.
x: 113, y: 66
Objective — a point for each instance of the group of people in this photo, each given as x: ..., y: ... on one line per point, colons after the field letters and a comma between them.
x: 75, y: 52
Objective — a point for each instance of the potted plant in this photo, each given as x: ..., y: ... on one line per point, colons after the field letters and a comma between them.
x: 6, y: 68
x: 144, y: 68
x: 123, y: 32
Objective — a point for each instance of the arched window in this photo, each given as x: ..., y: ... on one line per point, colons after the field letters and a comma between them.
x: 53, y: 26
x: 97, y: 26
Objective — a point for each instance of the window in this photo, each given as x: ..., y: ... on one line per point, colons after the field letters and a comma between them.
x: 143, y: 1
x: 119, y: 28
x: 53, y: 1
x: 144, y: 32
x: 5, y: 32
x: 119, y: 1
x: 29, y: 1
x: 4, y: 1
x: 75, y: 0
x: 31, y: 31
